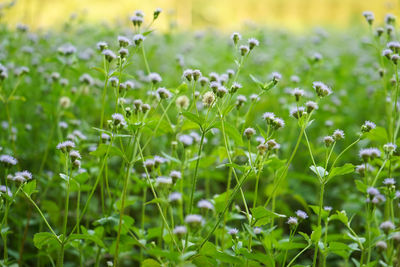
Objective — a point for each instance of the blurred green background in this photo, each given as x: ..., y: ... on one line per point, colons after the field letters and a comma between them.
x: 197, y: 14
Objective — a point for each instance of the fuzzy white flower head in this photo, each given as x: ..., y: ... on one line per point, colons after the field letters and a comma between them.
x: 4, y: 189
x: 175, y: 175
x: 208, y: 98
x: 297, y: 93
x: 269, y: 117
x: 372, y: 191
x: 370, y: 153
x: 163, y: 93
x: 205, y: 204
x: 180, y: 230
x: 233, y: 231
x: 236, y: 37
x: 8, y: 160
x: 389, y: 147
x: 328, y: 208
x: 159, y: 160
x: 310, y: 106
x: 389, y: 182
x: 297, y: 112
x: 387, y: 226
x: 109, y: 55
x: 249, y: 132
x: 321, y: 89
x: 175, y: 197
x: 78, y: 134
x: 241, y: 99
x: 154, y: 77
x: 194, y: 220
x: 254, y: 97
x: 257, y: 230
x: 162, y: 180
x: 22, y: 176
x: 123, y: 41
x: 253, y: 42
x: 182, y: 102
x: 118, y: 119
x: 301, y: 214
x: 148, y: 164
x: 186, y: 140
x: 292, y: 221
x: 276, y: 76
x: 338, y: 135
x: 138, y: 39
x: 369, y: 16
x: 368, y: 126
x: 74, y: 154
x: 66, y: 146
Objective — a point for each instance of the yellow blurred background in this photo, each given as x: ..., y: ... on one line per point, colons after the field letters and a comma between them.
x: 195, y: 14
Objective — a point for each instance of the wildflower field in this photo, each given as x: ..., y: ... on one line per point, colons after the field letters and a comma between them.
x: 128, y: 146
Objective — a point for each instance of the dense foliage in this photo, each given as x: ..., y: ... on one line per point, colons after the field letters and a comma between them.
x: 126, y: 147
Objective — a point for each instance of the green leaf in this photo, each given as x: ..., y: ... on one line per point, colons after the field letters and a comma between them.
x: 341, y: 249
x: 209, y: 249
x: 181, y: 88
x: 341, y: 216
x: 242, y: 168
x: 257, y: 81
x: 316, y: 234
x: 150, y: 263
x: 269, y: 85
x: 64, y: 177
x: 378, y: 134
x: 263, y: 216
x: 319, y: 171
x: 169, y: 157
x: 17, y: 97
x: 103, y: 148
x: 89, y: 237
x: 193, y: 117
x: 361, y: 186
x: 99, y: 70
x: 110, y: 220
x: 306, y: 237
x: 232, y: 132
x: 324, y: 213
x: 147, y: 32
x: 263, y: 258
x: 42, y: 239
x: 345, y: 169
x: 30, y: 188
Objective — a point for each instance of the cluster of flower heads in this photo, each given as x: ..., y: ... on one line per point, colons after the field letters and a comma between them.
x: 273, y: 121
x: 244, y: 49
x: 188, y: 140
x: 8, y: 160
x: 321, y: 89
x: 153, y: 163
x: 336, y: 136
x: 370, y: 153
x: 293, y: 221
x: 20, y: 177
x: 67, y: 147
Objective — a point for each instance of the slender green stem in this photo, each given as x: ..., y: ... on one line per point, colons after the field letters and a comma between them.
x: 104, y: 94
x: 43, y: 217
x: 298, y: 255
x: 233, y: 169
x: 232, y: 197
x: 156, y: 197
x: 60, y: 261
x: 283, y: 174
x: 321, y: 203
